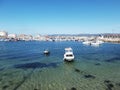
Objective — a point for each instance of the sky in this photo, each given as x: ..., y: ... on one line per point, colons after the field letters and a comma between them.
x: 60, y: 16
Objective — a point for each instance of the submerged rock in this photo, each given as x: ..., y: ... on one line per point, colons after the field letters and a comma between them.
x: 107, y: 81
x: 89, y: 76
x: 97, y: 64
x: 1, y: 69
x: 4, y: 87
x: 109, y: 84
x: 73, y: 88
x: 35, y: 89
x: 118, y: 84
x: 113, y: 59
x: 77, y: 70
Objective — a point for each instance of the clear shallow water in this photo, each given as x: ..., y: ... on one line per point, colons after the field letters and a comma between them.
x: 23, y: 66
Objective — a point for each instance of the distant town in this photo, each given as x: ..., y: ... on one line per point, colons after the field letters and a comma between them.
x: 5, y: 36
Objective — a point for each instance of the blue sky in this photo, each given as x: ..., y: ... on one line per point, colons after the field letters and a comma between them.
x: 60, y: 16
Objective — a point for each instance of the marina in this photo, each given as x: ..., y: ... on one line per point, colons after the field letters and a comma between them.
x: 59, y: 45
x: 87, y: 39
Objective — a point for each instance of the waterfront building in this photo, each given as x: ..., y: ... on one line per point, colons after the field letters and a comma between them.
x: 21, y: 36
x: 25, y: 37
x: 12, y: 36
x: 111, y: 38
x: 39, y: 37
x: 28, y: 37
x: 3, y: 34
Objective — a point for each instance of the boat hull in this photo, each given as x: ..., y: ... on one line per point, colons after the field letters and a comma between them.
x: 68, y: 58
x: 46, y: 52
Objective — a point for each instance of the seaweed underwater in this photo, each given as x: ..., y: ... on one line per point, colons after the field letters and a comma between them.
x: 114, y: 59
x: 35, y: 65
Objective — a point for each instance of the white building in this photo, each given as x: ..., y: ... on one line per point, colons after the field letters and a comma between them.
x: 40, y: 37
x: 3, y: 34
x: 25, y: 37
x: 14, y: 36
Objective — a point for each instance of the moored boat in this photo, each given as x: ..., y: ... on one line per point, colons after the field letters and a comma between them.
x: 96, y: 43
x: 46, y: 52
x: 87, y: 42
x: 68, y: 56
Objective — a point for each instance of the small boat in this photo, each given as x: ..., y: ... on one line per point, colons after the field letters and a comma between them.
x: 96, y: 43
x: 68, y: 56
x: 99, y: 41
x: 46, y: 52
x: 87, y: 42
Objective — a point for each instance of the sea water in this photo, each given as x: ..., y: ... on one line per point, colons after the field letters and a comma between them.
x: 23, y: 66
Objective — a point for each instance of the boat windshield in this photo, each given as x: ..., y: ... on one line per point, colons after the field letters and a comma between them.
x: 70, y: 55
x: 68, y: 50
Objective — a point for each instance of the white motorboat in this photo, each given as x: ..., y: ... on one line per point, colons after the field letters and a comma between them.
x: 87, y: 42
x: 46, y: 52
x: 99, y: 41
x: 96, y: 43
x: 68, y: 56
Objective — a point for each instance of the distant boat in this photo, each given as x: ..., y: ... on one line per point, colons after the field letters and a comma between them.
x: 93, y: 43
x: 87, y: 42
x: 96, y: 43
x: 68, y: 56
x: 46, y: 52
x: 99, y: 41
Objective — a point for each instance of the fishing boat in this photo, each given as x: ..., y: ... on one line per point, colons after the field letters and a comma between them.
x: 68, y: 56
x: 46, y: 52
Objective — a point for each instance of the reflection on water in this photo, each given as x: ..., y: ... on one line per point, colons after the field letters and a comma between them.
x: 23, y: 66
